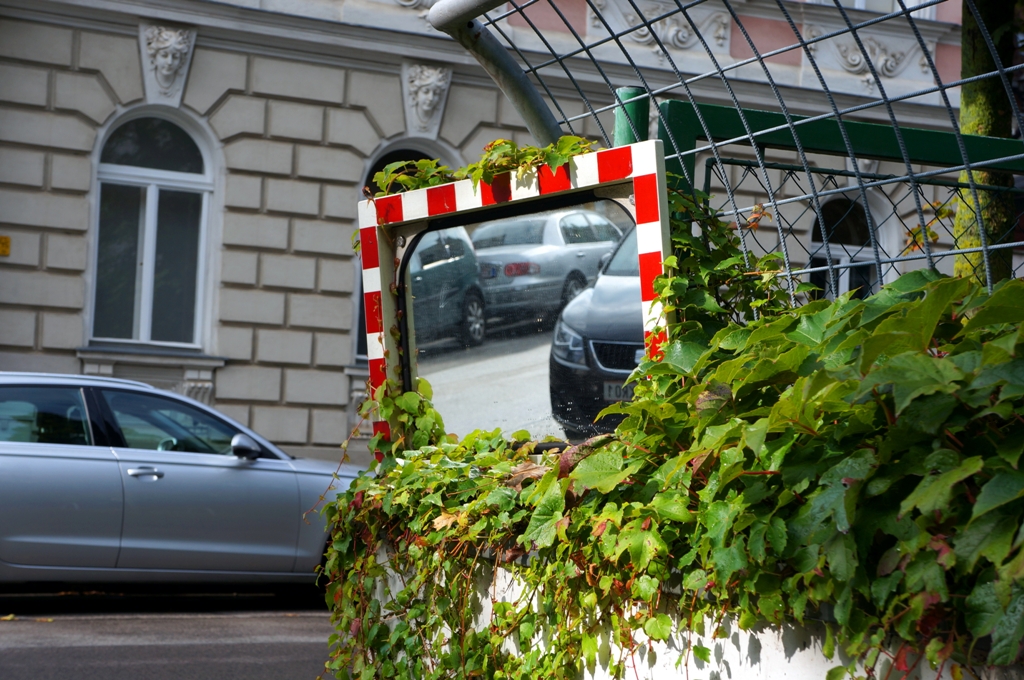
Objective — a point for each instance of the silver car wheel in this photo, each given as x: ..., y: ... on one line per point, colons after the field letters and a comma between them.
x: 573, y: 287
x: 474, y: 325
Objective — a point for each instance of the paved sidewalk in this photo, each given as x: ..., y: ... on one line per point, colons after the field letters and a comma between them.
x: 249, y: 645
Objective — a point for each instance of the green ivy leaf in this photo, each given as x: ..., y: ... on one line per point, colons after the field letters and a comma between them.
x: 777, y: 535
x: 672, y: 505
x: 1006, y: 305
x: 1010, y: 449
x: 588, y: 646
x: 701, y: 652
x: 643, y: 544
x: 645, y: 587
x: 836, y: 673
x: 934, y: 491
x: 1008, y: 631
x: 543, y: 523
x: 729, y: 560
x: 912, y: 375
x: 841, y: 556
x: 828, y: 649
x: 503, y: 497
x: 684, y: 355
x: 658, y: 627
x: 811, y: 329
x: 603, y: 471
x: 1003, y: 488
x: 408, y: 402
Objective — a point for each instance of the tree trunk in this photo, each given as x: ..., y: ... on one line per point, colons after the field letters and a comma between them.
x: 985, y: 110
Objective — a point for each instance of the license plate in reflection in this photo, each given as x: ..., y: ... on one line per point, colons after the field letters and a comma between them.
x: 614, y: 391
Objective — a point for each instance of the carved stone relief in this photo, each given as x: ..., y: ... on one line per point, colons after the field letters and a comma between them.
x: 674, y: 32
x: 166, y: 57
x: 416, y: 4
x: 889, y: 58
x: 425, y: 90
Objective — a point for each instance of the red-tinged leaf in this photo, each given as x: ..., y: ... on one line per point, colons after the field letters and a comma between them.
x: 931, y: 620
x: 599, y: 529
x: 901, y: 659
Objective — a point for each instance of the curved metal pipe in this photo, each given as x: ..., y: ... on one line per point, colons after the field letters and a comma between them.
x: 456, y: 18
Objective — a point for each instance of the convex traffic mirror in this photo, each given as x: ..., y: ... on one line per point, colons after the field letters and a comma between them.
x: 525, y: 303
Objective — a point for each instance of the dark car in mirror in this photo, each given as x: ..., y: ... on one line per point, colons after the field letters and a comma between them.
x: 598, y: 341
x: 447, y: 300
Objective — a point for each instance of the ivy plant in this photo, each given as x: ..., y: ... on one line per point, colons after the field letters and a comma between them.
x: 500, y: 156
x: 851, y: 462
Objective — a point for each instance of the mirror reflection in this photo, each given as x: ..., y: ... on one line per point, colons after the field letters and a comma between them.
x: 527, y: 323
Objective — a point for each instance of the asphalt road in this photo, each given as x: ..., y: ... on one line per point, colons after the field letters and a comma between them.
x: 146, y: 636
x: 502, y: 383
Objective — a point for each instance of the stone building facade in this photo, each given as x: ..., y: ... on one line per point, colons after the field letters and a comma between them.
x: 201, y: 162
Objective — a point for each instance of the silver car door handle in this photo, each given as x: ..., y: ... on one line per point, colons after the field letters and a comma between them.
x: 145, y: 472
x: 581, y: 254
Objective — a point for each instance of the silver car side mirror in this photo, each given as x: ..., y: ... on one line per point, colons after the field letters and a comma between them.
x: 243, y: 446
x: 604, y: 262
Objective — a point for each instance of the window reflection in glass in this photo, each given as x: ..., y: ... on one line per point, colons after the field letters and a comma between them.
x: 482, y: 302
x: 174, y: 275
x: 159, y: 424
x: 153, y: 143
x: 118, y: 260
x: 849, y: 238
x: 43, y: 415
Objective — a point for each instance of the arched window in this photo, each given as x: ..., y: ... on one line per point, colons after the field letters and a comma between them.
x: 849, y: 241
x: 154, y: 192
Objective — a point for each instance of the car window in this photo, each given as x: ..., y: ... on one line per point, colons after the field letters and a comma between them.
x: 604, y: 229
x: 576, y: 229
x: 625, y: 262
x: 161, y: 424
x: 43, y: 415
x: 431, y: 249
x: 509, y: 233
x: 456, y: 247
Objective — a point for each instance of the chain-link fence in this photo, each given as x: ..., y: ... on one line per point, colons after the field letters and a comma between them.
x: 853, y: 123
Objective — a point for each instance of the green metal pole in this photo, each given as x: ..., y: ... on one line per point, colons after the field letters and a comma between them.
x: 636, y: 107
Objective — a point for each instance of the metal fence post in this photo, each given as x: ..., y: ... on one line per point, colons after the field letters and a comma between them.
x: 636, y: 106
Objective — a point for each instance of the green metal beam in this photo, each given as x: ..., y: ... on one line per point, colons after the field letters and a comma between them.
x: 869, y: 140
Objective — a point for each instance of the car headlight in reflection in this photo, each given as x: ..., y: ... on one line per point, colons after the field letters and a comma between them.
x: 568, y: 345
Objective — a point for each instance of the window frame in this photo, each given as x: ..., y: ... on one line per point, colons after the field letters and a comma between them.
x: 842, y: 254
x: 152, y: 181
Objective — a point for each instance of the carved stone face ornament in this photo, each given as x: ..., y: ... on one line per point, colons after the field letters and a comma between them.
x: 427, y: 85
x: 167, y: 48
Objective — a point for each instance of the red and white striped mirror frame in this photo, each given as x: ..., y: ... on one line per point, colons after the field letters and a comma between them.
x: 643, y: 164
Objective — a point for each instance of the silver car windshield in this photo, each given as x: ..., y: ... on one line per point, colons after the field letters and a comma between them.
x: 624, y: 262
x: 481, y: 304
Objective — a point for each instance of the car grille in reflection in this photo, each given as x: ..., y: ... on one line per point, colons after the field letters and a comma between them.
x: 616, y: 356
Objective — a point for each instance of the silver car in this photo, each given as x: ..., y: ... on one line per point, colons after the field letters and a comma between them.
x: 114, y: 480
x: 532, y: 266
